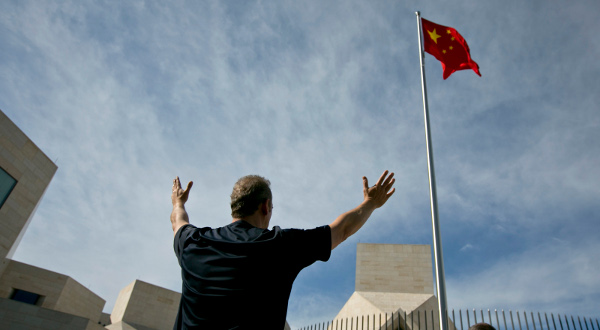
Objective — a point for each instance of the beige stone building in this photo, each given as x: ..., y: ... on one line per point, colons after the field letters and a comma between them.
x: 41, y: 299
x: 142, y: 305
x: 36, y: 298
x: 31, y: 297
x: 391, y: 280
x: 25, y: 173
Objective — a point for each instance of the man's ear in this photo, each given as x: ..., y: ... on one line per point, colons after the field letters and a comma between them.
x: 264, y: 207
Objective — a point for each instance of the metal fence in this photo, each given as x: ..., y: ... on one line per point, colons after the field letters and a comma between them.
x: 426, y: 320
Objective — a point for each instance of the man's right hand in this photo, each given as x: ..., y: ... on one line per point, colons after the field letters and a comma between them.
x: 350, y: 222
x: 380, y: 192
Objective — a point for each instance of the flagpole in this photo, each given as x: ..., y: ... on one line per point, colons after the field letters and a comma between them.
x: 437, y: 240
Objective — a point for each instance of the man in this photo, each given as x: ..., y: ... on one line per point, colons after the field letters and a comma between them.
x: 240, y: 276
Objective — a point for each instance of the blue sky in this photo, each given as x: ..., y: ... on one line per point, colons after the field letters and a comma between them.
x: 124, y: 96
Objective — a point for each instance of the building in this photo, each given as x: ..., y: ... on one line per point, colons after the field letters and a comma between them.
x: 25, y: 173
x: 391, y: 279
x: 32, y: 297
x: 37, y: 298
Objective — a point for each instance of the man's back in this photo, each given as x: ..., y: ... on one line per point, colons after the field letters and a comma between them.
x: 240, y: 276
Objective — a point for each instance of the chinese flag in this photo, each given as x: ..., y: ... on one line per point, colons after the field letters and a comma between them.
x: 449, y: 47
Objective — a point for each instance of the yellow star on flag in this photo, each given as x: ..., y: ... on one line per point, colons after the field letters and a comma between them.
x: 433, y: 35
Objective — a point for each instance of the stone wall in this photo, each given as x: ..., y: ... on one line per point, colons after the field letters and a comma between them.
x: 33, y: 170
x: 58, y: 292
x: 394, y: 268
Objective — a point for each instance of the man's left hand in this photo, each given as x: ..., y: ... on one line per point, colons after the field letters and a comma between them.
x: 178, y: 195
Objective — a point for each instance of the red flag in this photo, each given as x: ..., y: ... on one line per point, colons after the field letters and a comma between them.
x: 449, y: 47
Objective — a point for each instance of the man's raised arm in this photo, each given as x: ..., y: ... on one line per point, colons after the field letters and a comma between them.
x: 179, y: 216
x: 374, y: 197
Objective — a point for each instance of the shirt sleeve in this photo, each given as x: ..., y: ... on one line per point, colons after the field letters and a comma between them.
x: 310, y: 245
x: 181, y: 237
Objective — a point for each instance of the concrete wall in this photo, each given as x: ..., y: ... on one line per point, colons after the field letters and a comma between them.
x: 394, y: 268
x: 143, y: 305
x: 33, y: 170
x: 78, y: 300
x: 18, y: 315
x: 59, y: 292
x: 390, y: 278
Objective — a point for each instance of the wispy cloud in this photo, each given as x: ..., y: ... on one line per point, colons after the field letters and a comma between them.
x: 124, y: 96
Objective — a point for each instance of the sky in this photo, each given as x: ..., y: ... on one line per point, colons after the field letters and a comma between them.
x: 125, y: 95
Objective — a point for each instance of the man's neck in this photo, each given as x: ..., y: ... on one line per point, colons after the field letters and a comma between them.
x: 254, y: 221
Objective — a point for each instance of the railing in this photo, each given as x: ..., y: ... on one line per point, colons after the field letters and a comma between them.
x: 426, y: 320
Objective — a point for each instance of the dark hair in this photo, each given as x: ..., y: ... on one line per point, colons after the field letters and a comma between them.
x: 482, y: 326
x: 248, y: 193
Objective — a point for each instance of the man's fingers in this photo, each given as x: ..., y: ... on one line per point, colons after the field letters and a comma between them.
x: 381, y: 178
x: 389, y: 185
x: 388, y: 179
x: 189, y: 186
x: 365, y: 183
x: 390, y: 194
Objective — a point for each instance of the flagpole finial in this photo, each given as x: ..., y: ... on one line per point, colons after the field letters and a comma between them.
x: 418, y: 13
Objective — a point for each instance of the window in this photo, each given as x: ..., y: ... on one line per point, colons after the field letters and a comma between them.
x: 25, y: 296
x: 7, y: 183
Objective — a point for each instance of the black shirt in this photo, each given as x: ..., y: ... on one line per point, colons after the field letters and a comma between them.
x: 239, y: 276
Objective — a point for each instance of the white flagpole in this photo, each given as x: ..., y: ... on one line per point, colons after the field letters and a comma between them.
x: 437, y: 239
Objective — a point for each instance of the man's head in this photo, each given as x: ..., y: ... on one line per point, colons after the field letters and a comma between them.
x: 481, y: 326
x: 248, y: 194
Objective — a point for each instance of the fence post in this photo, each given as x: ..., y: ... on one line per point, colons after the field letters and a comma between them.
x: 497, y: 321
x: 512, y: 322
x: 468, y: 320
x: 567, y: 322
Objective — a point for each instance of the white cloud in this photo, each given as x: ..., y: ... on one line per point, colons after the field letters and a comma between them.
x: 541, y: 278
x: 313, y: 96
x: 466, y: 247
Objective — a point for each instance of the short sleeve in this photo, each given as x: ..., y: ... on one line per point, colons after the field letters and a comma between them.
x: 181, y: 237
x: 309, y: 245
